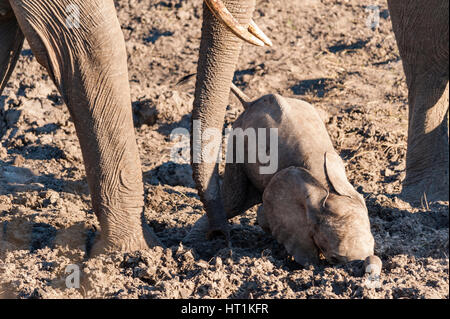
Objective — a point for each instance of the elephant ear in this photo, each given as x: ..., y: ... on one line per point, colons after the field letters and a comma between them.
x: 291, y: 202
x: 335, y: 169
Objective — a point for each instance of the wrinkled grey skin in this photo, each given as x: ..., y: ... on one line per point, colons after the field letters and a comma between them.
x: 89, y: 67
x: 421, y: 29
x: 308, y: 204
x: 220, y: 52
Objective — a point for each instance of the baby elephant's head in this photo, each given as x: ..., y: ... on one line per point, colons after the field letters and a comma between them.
x: 341, y: 229
x: 309, y: 218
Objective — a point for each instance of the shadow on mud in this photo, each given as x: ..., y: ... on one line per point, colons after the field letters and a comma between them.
x: 422, y: 233
x: 41, y: 152
x: 14, y: 180
x: 23, y: 234
x: 349, y: 48
x: 319, y: 87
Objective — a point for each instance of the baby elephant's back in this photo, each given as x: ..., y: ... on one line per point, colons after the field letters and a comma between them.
x: 302, y: 137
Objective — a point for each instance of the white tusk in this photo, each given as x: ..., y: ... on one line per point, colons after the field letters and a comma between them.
x: 257, y: 32
x: 221, y: 12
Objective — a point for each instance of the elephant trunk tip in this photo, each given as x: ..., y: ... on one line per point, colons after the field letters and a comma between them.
x: 373, y: 265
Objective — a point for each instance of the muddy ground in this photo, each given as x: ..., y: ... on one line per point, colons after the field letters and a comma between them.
x: 324, y: 52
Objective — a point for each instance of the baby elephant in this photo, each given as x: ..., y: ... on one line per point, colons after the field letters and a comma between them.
x: 308, y: 204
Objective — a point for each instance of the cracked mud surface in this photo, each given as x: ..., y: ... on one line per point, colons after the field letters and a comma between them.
x: 323, y: 53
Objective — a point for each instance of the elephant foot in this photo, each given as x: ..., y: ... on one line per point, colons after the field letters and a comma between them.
x: 198, y: 231
x: 222, y: 231
x: 218, y: 227
x: 421, y: 191
x: 142, y: 240
x: 202, y: 230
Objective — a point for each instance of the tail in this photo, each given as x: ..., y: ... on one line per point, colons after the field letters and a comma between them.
x: 185, y: 79
x: 242, y: 97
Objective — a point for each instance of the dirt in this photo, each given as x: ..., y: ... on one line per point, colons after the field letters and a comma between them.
x: 324, y: 53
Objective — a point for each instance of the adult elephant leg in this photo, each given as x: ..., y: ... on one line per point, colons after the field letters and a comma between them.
x: 422, y: 32
x: 81, y: 45
x: 11, y: 41
x: 219, y: 53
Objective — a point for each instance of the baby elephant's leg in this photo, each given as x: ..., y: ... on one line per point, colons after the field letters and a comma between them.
x: 262, y: 220
x: 238, y: 193
x: 81, y: 45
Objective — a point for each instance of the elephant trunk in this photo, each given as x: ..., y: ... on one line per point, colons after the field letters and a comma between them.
x: 219, y: 53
